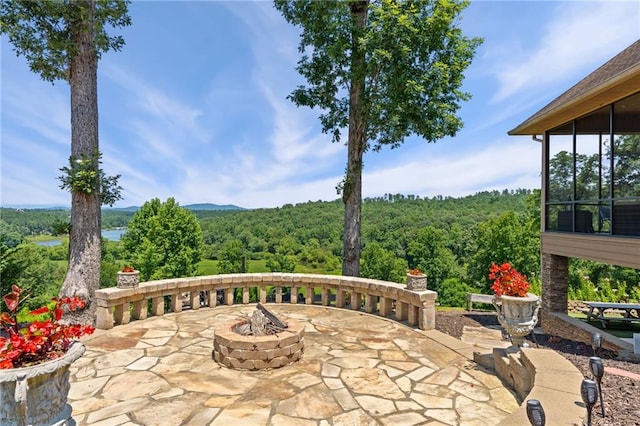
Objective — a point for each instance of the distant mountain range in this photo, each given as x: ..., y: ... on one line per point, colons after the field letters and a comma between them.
x: 200, y: 206
x: 209, y: 206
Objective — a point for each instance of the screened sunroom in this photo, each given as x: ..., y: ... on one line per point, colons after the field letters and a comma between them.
x: 592, y: 167
x: 590, y: 138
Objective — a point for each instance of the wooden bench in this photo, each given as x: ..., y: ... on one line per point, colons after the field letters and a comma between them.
x: 472, y: 298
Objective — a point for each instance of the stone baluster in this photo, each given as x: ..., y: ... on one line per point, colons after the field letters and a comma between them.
x: 157, y: 306
x: 176, y: 302
x: 402, y: 310
x: 121, y: 314
x: 325, y: 296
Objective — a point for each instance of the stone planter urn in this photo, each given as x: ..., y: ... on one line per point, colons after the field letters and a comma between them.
x: 128, y: 279
x: 37, y: 395
x: 416, y: 281
x: 518, y: 315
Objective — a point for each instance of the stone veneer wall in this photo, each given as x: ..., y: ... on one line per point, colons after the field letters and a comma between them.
x: 577, y: 307
x: 234, y: 350
x: 563, y: 325
x: 555, y: 304
x: 555, y: 284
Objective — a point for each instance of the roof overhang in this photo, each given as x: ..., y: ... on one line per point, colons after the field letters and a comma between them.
x: 618, y: 87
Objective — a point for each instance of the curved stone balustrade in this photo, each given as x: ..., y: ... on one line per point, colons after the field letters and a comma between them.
x: 392, y: 300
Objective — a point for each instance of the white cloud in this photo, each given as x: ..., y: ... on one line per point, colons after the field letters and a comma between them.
x: 502, y: 164
x: 580, y: 36
x: 51, y: 119
x: 227, y: 133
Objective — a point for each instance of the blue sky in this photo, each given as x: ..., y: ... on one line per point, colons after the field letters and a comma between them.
x: 194, y: 107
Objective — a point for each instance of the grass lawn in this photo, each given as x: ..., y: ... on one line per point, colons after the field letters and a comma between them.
x: 616, y: 328
x: 210, y: 267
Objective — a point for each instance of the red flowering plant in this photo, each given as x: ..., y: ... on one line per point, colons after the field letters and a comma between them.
x: 128, y: 268
x: 415, y: 271
x: 507, y: 281
x: 22, y: 345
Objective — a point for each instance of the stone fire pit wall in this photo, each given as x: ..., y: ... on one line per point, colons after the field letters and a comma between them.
x: 236, y: 351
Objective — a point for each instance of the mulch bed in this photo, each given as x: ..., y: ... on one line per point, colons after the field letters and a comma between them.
x: 621, y: 393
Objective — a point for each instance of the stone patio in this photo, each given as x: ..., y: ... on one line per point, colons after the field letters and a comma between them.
x: 357, y: 369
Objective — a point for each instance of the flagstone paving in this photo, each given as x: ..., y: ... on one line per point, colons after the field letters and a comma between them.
x: 357, y: 369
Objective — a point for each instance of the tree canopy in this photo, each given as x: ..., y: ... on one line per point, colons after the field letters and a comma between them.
x: 398, y: 229
x: 43, y: 31
x: 163, y: 240
x: 63, y: 40
x: 384, y: 70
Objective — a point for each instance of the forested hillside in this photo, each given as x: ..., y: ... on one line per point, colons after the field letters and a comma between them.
x: 454, y: 240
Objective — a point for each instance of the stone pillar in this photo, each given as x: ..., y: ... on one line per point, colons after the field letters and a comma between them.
x: 386, y: 306
x: 228, y: 296
x: 326, y: 297
x: 370, y: 303
x: 263, y: 294
x: 213, y: 298
x: 413, y: 316
x: 294, y: 295
x: 427, y: 315
x: 176, y: 302
x: 310, y: 295
x: 356, y: 301
x: 340, y: 298
x: 555, y: 284
x: 104, y: 318
x: 157, y: 306
x: 140, y: 309
x: 121, y: 314
x: 402, y: 310
x: 194, y: 299
x: 245, y: 295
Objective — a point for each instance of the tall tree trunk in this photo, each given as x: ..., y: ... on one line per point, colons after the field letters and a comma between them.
x: 352, y: 189
x: 83, y: 275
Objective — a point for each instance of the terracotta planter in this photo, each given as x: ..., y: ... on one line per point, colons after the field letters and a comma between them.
x: 518, y: 315
x: 37, y: 395
x: 416, y: 282
x: 128, y: 279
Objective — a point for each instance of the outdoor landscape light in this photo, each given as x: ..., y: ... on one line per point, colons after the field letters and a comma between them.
x: 596, y: 342
x: 597, y: 369
x: 589, y: 393
x: 535, y: 412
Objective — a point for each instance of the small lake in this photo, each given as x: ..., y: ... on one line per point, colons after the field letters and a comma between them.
x: 113, y: 234
x: 50, y: 243
x: 109, y: 234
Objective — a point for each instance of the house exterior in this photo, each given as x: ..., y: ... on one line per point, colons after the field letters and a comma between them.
x: 590, y: 138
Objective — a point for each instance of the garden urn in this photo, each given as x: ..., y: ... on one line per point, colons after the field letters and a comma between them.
x: 518, y: 315
x: 416, y: 281
x: 128, y: 279
x: 37, y: 395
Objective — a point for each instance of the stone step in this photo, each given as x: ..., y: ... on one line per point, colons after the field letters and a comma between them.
x: 484, y: 337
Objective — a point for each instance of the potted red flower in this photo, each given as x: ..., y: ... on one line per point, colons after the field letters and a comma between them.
x: 35, y: 359
x: 508, y: 281
x: 517, y: 308
x: 128, y: 277
x: 416, y: 279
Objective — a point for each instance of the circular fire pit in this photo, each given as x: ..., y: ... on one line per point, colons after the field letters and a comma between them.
x: 238, y: 351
